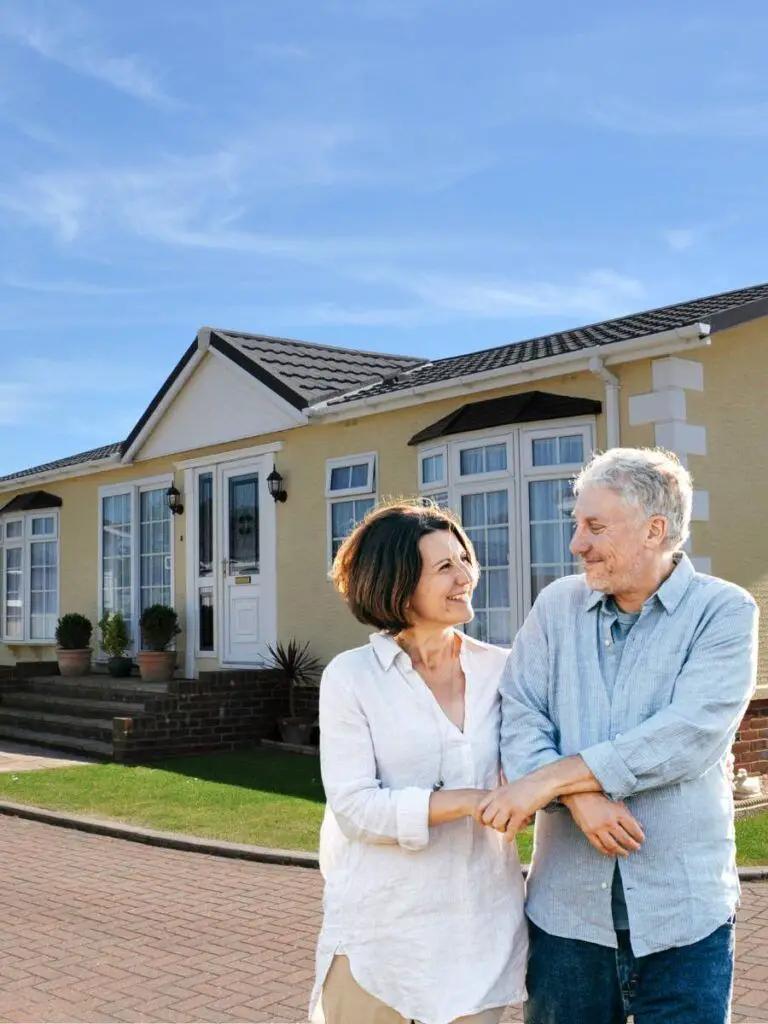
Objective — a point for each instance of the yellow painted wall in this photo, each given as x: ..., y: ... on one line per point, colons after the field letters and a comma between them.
x: 734, y: 409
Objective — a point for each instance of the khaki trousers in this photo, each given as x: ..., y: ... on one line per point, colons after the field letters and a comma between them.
x: 344, y: 1002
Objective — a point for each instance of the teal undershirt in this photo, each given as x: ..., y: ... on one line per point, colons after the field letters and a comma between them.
x: 610, y: 660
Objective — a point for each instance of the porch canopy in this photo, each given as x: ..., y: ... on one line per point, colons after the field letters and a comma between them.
x: 528, y: 407
x: 32, y: 501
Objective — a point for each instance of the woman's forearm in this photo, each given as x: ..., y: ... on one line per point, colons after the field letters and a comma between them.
x: 451, y: 804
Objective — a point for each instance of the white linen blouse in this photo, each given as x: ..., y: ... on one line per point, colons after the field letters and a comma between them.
x: 431, y: 918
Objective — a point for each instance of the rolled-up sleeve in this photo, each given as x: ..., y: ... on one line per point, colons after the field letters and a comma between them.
x: 685, y: 739
x: 528, y: 735
x: 364, y: 809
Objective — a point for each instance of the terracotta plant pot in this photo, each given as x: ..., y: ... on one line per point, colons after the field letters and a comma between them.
x: 156, y: 666
x: 74, y: 663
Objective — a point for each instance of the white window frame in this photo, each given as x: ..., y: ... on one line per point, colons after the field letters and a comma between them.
x: 24, y: 542
x: 134, y: 488
x: 520, y: 470
x: 348, y: 493
x: 368, y: 459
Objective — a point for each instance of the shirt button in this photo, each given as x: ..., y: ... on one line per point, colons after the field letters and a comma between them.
x: 604, y: 885
x: 617, y: 736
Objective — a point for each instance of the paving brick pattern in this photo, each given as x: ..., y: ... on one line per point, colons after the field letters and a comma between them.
x: 100, y: 930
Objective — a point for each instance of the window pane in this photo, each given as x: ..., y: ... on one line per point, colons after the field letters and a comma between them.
x: 558, y: 451
x: 495, y: 458
x: 155, y: 549
x: 432, y: 470
x: 116, y: 556
x: 43, y: 585
x: 360, y: 475
x: 13, y: 624
x: 205, y: 524
x: 545, y: 451
x: 205, y: 624
x: 244, y: 523
x: 341, y: 477
x: 14, y: 529
x: 488, y: 512
x: 471, y: 461
x: 571, y: 450
x: 43, y: 526
x: 345, y: 515
x: 437, y: 500
x: 551, y: 528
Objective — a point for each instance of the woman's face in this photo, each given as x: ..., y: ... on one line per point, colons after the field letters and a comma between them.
x: 443, y: 595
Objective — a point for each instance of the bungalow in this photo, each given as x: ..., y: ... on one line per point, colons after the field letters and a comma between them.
x: 273, y: 448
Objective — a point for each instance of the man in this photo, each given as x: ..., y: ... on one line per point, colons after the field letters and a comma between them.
x: 630, y: 680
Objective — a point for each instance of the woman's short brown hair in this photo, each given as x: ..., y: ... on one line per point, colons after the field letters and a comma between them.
x: 378, y: 566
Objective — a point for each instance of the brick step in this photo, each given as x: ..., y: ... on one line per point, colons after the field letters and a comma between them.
x: 80, y: 744
x: 62, y: 705
x: 64, y: 725
x: 100, y: 687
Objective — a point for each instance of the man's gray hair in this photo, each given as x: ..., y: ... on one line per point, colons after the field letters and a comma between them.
x: 651, y: 479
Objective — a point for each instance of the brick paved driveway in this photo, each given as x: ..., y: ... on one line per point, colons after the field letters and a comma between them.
x: 97, y: 929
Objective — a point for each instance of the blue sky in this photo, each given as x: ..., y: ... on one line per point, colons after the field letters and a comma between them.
x: 418, y: 176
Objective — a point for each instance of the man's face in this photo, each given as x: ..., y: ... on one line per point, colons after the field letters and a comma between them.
x: 612, y: 540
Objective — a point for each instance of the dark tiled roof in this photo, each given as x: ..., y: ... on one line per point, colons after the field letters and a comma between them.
x: 595, y: 336
x: 528, y: 407
x: 93, y: 455
x: 312, y: 371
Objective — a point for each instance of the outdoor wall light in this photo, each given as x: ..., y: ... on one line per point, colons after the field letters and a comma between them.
x: 275, y: 485
x: 174, y: 504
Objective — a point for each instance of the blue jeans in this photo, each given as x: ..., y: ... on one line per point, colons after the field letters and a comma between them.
x: 575, y: 982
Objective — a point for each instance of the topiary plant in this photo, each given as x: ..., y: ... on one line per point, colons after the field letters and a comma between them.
x: 73, y: 632
x: 159, y: 625
x: 115, y: 639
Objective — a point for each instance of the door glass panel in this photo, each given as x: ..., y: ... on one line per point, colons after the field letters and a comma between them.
x: 551, y: 528
x: 155, y: 549
x: 205, y: 524
x: 205, y: 618
x: 116, y: 556
x: 485, y: 517
x: 43, y: 589
x: 13, y: 625
x: 244, y: 524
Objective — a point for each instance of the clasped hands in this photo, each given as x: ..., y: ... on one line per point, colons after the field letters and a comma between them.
x: 607, y: 824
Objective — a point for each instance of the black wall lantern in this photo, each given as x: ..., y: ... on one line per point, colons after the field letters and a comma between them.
x: 174, y: 504
x: 275, y: 485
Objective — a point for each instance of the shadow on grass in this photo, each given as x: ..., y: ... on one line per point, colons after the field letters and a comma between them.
x: 266, y: 770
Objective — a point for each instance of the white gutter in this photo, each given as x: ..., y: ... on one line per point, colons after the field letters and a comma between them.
x: 649, y: 346
x: 612, y: 388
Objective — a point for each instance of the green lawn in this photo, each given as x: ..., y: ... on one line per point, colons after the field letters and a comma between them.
x: 262, y: 797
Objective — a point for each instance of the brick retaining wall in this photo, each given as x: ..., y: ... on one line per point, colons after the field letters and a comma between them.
x: 751, y: 746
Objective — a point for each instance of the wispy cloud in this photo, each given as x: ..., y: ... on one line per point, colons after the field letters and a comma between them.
x: 682, y: 239
x: 729, y: 121
x: 81, y: 288
x: 64, y: 36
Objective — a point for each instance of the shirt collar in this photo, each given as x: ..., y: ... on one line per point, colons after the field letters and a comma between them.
x: 386, y: 648
x: 669, y: 594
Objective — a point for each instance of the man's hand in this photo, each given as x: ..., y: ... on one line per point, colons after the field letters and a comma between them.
x: 510, y: 807
x: 606, y: 823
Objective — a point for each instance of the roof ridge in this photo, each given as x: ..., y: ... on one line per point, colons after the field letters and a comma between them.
x: 612, y: 320
x: 317, y: 344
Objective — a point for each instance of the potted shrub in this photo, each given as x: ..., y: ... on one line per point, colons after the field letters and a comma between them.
x: 115, y: 641
x: 159, y: 626
x: 73, y: 644
x: 301, y: 669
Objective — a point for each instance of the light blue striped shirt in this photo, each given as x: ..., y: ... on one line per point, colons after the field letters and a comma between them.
x: 659, y: 743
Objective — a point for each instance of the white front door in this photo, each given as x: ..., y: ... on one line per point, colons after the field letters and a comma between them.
x: 248, y: 548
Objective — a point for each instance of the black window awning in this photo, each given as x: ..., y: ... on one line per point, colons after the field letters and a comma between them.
x: 527, y: 407
x: 31, y: 502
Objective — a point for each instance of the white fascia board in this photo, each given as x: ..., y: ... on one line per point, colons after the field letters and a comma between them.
x: 682, y: 339
x: 203, y: 342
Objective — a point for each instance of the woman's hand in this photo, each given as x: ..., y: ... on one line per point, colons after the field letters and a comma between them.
x: 510, y: 808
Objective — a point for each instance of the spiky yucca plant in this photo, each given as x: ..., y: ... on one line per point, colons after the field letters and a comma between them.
x: 298, y: 665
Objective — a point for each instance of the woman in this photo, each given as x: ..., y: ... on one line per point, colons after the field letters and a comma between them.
x: 423, y: 908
